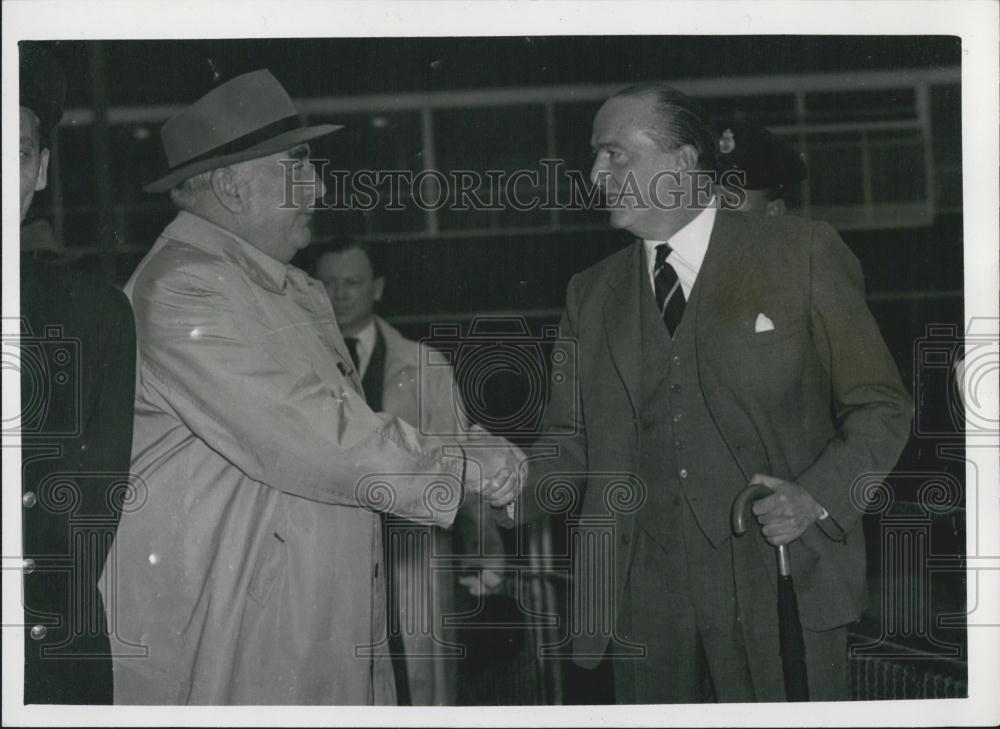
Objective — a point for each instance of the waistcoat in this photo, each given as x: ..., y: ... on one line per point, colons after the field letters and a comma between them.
x: 682, y: 453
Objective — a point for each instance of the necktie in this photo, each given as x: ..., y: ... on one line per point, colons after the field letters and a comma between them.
x: 669, y: 294
x: 352, y: 347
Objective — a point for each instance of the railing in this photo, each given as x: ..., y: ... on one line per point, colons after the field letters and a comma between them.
x: 854, y: 141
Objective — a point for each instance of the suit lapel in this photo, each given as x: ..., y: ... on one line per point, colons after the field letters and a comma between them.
x: 622, y: 323
x: 722, y: 283
x: 722, y: 280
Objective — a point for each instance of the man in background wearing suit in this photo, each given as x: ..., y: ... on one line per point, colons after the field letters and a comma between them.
x: 77, y: 354
x: 717, y: 349
x: 389, y: 366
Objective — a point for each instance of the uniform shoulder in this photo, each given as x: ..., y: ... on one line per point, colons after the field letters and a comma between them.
x: 81, y: 289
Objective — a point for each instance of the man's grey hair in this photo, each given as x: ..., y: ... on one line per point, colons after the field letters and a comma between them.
x: 679, y: 119
x: 187, y: 194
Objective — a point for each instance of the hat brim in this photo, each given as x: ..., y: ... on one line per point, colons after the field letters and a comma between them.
x: 279, y: 143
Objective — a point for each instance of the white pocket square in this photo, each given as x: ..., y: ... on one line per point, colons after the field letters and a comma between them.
x: 763, y: 324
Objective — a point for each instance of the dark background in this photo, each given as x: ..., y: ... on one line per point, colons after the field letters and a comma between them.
x: 873, y: 154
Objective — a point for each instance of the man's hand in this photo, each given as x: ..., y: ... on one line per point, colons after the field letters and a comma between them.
x: 787, y: 513
x: 487, y: 579
x: 499, y: 464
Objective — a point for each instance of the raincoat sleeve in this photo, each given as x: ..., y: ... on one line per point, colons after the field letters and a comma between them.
x: 235, y: 382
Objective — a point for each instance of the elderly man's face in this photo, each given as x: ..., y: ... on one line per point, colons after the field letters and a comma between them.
x: 639, y: 179
x: 352, y: 287
x: 34, y: 159
x: 278, y: 213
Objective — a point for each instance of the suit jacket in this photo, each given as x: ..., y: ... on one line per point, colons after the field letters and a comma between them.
x: 818, y: 400
x: 77, y: 385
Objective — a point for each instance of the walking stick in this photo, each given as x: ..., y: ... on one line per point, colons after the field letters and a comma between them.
x: 793, y: 649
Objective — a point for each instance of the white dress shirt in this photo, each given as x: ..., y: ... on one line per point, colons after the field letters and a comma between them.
x: 688, y: 247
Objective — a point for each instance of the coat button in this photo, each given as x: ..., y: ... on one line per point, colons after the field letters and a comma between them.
x: 684, y: 473
x: 28, y: 566
x: 38, y: 632
x: 29, y: 499
x: 677, y: 417
x: 675, y: 387
x: 626, y: 539
x: 677, y: 361
x: 679, y: 444
x: 677, y: 501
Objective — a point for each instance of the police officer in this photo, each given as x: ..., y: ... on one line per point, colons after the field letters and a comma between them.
x: 77, y: 362
x: 758, y: 171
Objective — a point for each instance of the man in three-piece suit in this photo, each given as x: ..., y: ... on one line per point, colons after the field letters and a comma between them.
x: 718, y: 349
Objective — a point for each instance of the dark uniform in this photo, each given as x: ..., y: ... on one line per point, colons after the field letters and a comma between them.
x: 758, y: 171
x: 77, y: 362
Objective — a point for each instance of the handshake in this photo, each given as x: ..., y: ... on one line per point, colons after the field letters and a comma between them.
x: 493, y: 469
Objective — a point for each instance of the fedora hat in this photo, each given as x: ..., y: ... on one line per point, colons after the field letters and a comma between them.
x: 247, y: 117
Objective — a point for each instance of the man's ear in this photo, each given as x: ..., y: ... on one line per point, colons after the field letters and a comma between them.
x: 379, y: 288
x: 229, y: 190
x: 43, y: 170
x: 775, y: 207
x: 687, y: 158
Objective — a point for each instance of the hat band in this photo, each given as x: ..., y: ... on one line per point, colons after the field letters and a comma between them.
x: 246, y: 141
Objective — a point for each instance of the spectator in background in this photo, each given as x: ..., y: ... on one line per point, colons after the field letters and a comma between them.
x: 428, y: 398
x: 758, y: 171
x: 253, y: 572
x: 77, y: 356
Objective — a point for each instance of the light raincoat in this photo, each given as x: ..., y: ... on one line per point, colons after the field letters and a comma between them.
x: 246, y: 570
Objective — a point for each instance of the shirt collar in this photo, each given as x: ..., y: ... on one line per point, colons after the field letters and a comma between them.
x: 366, y: 337
x: 267, y: 272
x: 690, y: 243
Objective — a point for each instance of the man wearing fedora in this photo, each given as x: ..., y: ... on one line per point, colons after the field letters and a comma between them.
x: 77, y: 359
x: 252, y: 571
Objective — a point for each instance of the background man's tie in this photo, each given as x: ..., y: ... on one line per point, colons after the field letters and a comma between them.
x: 669, y: 294
x: 352, y: 347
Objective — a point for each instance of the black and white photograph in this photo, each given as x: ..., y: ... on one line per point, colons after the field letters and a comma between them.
x: 501, y: 363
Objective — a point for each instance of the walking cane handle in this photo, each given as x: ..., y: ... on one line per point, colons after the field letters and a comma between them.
x: 739, y: 518
x: 739, y: 513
